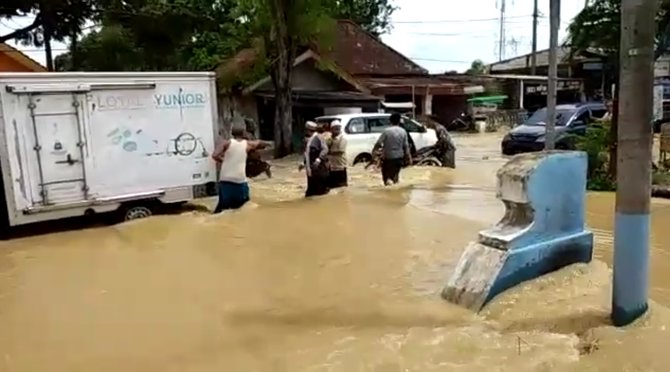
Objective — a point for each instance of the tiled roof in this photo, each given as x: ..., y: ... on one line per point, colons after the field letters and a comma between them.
x: 361, y: 53
x: 354, y: 50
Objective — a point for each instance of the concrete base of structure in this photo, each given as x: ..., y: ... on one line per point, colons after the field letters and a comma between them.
x: 542, y: 230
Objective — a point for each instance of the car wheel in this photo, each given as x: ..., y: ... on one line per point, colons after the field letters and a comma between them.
x: 429, y: 162
x: 363, y: 158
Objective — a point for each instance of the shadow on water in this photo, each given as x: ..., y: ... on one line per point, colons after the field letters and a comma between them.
x: 87, y: 222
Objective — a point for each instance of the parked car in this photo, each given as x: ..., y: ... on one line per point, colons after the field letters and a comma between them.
x: 571, y: 119
x: 363, y: 129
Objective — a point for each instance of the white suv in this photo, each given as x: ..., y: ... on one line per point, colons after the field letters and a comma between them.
x: 363, y: 129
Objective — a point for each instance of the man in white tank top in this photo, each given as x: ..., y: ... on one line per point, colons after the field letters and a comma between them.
x: 231, y: 156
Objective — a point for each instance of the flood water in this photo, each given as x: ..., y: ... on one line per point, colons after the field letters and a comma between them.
x: 347, y: 282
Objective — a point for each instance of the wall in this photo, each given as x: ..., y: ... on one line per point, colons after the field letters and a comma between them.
x: 448, y: 108
x: 237, y: 110
x: 341, y: 110
x: 309, y: 77
x: 8, y: 64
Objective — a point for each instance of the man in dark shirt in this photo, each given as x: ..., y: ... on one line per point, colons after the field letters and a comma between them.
x: 445, y: 145
x: 394, y: 144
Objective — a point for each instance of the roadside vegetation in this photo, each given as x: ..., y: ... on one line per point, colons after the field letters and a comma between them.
x: 597, y: 143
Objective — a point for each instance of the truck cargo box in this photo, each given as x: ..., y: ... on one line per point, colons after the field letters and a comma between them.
x: 76, y: 143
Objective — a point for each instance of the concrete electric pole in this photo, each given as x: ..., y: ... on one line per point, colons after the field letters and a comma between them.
x: 554, y: 23
x: 631, y: 225
x: 533, y: 56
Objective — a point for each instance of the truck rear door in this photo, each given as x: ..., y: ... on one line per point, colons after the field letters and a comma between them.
x: 57, y: 140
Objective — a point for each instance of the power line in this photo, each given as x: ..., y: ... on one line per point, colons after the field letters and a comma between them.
x: 439, y: 60
x: 497, y: 19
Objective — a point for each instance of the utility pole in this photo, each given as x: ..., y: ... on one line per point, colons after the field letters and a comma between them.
x: 501, y: 42
x: 554, y: 22
x: 533, y: 56
x: 631, y: 224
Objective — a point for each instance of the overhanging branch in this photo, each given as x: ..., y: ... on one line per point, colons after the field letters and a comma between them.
x: 22, y: 31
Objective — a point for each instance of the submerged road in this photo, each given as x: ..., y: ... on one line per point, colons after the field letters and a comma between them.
x: 251, y: 291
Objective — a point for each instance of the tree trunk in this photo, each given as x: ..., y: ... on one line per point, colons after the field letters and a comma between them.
x: 47, y: 48
x: 74, y: 51
x: 282, y: 54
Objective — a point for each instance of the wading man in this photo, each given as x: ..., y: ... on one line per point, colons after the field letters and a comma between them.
x: 395, y: 148
x: 445, y: 145
x: 337, y: 158
x: 231, y: 157
x: 316, y: 161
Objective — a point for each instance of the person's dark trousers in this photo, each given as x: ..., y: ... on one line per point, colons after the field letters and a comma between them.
x: 317, y: 185
x: 447, y: 156
x: 391, y: 170
x: 338, y: 178
x: 232, y: 195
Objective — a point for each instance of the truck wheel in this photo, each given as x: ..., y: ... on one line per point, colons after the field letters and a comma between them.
x: 135, y: 212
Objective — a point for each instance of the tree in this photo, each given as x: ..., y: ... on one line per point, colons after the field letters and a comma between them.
x: 373, y: 15
x: 476, y: 68
x: 598, y: 28
x: 285, y: 26
x: 159, y: 35
x: 54, y: 20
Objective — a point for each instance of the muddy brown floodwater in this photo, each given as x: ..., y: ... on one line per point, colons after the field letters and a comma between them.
x: 347, y: 282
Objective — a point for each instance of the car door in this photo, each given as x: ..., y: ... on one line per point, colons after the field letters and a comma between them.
x: 358, y: 138
x: 579, y: 124
x: 376, y: 125
x: 419, y: 134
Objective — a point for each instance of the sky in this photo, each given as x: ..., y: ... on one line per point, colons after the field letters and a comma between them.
x: 440, y: 35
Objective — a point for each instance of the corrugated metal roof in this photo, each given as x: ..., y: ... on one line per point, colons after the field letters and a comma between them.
x: 408, y: 81
x: 541, y: 57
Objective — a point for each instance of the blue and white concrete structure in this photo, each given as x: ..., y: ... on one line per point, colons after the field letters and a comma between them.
x: 543, y: 228
x: 631, y: 266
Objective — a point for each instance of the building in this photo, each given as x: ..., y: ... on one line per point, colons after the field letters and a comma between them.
x: 356, y: 73
x: 13, y: 60
x: 580, y: 76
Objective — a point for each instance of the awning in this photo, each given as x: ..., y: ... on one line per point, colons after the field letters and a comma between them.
x: 398, y: 105
x: 331, y: 97
x: 488, y: 99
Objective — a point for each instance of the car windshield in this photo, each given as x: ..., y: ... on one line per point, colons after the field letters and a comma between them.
x: 540, y: 117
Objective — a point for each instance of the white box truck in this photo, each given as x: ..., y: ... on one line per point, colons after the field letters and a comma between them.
x: 78, y: 143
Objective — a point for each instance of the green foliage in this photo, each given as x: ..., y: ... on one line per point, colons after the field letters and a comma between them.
x: 159, y: 35
x: 373, y: 15
x: 660, y: 177
x: 598, y: 27
x: 61, y: 17
x: 476, y: 68
x: 596, y: 144
x: 110, y: 49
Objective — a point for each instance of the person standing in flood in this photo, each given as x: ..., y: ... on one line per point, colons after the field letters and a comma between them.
x: 337, y: 157
x: 445, y: 145
x: 231, y: 157
x: 316, y: 161
x: 395, y: 149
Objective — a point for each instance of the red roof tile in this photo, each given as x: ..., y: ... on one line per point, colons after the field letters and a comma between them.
x: 354, y: 50
x: 360, y: 53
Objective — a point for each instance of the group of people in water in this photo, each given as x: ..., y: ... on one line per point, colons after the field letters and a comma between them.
x: 324, y: 159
